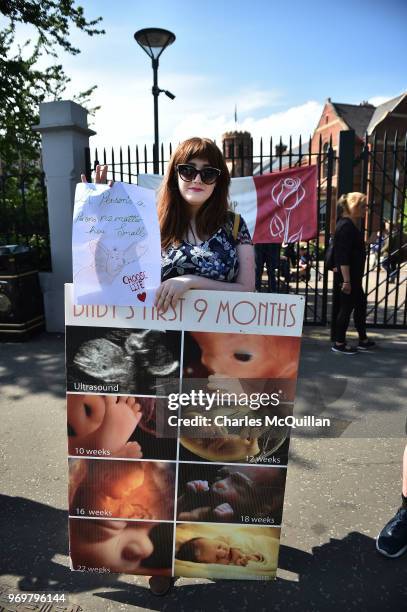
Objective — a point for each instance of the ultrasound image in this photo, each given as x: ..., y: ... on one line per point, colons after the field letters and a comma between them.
x: 137, y: 361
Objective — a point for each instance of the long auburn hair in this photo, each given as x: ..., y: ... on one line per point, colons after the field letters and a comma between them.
x: 172, y: 210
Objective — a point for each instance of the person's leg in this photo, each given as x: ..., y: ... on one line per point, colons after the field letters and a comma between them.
x: 271, y: 264
x: 392, y: 271
x: 359, y: 313
x: 285, y: 271
x: 346, y: 304
x: 386, y: 265
x: 259, y: 264
x: 392, y: 540
x: 359, y: 316
x: 292, y: 255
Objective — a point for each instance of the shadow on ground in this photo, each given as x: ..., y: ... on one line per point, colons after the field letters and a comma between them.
x: 34, y: 366
x: 344, y: 574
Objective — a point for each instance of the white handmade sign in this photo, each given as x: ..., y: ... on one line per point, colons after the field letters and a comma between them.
x: 116, y: 245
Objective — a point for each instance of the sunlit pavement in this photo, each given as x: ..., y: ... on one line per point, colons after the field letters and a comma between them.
x: 340, y: 490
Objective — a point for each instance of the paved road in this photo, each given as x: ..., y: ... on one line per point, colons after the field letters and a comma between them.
x: 339, y: 490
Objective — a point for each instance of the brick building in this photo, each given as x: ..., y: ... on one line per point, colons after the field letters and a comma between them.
x: 385, y: 190
x: 390, y: 118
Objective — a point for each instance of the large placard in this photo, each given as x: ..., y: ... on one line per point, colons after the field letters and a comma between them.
x: 177, y: 440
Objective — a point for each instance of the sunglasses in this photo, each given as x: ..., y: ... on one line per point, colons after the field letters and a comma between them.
x: 188, y: 173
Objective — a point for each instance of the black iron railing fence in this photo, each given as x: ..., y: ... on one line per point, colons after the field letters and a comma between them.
x: 126, y: 163
x: 384, y: 172
x: 379, y: 169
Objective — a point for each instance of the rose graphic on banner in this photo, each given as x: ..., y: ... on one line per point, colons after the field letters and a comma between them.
x: 286, y: 206
x: 287, y: 194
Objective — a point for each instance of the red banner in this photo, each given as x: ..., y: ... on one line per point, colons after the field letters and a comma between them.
x: 286, y: 206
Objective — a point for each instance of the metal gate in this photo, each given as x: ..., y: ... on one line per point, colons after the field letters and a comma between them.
x: 125, y: 165
x: 384, y: 164
x: 381, y: 170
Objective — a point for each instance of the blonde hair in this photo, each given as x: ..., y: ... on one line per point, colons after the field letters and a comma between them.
x: 342, y: 205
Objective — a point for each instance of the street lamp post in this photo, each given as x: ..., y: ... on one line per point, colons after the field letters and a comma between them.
x: 153, y: 41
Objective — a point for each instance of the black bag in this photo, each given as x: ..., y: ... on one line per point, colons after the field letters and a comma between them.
x: 330, y: 255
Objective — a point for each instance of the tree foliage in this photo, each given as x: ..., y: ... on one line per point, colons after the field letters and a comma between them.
x: 23, y: 84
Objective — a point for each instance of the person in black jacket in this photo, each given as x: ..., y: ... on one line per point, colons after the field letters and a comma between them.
x: 349, y: 254
x: 266, y: 254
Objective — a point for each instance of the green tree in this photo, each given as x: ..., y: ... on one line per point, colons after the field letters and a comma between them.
x: 23, y: 85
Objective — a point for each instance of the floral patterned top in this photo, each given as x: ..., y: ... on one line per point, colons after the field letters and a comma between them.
x: 215, y: 258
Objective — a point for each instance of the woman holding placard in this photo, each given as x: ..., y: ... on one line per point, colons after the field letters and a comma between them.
x: 204, y: 244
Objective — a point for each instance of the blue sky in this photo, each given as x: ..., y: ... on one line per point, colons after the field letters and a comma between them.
x: 278, y: 61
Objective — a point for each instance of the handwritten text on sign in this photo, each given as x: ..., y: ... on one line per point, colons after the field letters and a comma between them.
x: 116, y: 259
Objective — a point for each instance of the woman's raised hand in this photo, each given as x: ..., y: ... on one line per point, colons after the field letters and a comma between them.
x: 100, y: 176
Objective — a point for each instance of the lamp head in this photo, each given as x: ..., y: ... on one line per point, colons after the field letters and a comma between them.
x: 154, y: 40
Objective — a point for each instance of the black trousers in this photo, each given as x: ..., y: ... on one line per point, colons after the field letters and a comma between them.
x: 356, y: 302
x: 266, y: 254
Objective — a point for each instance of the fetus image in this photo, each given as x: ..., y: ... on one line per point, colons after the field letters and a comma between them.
x: 115, y: 426
x: 247, y: 355
x: 229, y: 494
x: 104, y: 422
x: 216, y: 550
x: 121, y: 489
x: 233, y: 364
x: 204, y: 550
x: 137, y: 361
x: 120, y: 546
x: 229, y: 447
x: 221, y: 443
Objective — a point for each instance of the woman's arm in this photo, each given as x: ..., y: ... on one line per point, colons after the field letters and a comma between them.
x: 172, y: 289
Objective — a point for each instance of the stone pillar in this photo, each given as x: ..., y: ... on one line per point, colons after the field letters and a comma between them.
x: 65, y: 134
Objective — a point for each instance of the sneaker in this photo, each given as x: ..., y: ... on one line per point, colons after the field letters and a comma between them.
x: 344, y: 348
x: 392, y: 540
x: 366, y: 345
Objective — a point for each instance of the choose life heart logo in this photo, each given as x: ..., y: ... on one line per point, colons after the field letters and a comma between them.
x: 142, y: 296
